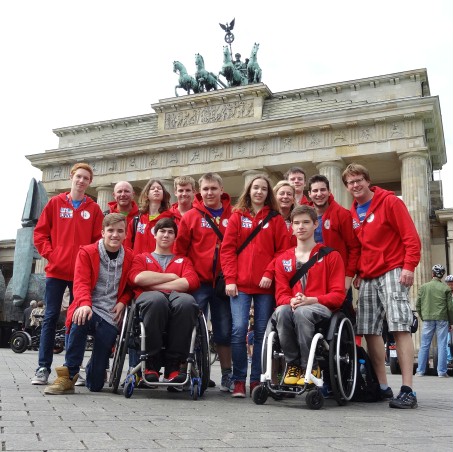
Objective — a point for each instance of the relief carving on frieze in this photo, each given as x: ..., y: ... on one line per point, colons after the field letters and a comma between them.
x: 209, y: 115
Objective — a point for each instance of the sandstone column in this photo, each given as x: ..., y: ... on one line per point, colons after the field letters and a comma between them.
x: 104, y: 193
x: 415, y: 192
x: 168, y: 184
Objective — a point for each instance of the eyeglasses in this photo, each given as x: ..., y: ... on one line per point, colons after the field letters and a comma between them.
x: 350, y: 183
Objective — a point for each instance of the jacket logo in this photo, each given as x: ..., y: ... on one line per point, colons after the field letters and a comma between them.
x: 205, y: 224
x: 266, y: 225
x: 179, y: 261
x: 370, y: 219
x: 355, y: 224
x: 225, y: 222
x: 85, y: 214
x: 246, y: 223
x: 327, y: 224
x: 141, y: 228
x: 66, y: 212
x: 287, y: 265
x: 149, y: 260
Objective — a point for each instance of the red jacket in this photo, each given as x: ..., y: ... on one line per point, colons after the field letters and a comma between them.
x: 113, y: 208
x: 86, y: 278
x: 179, y: 265
x: 388, y: 236
x: 144, y: 240
x: 247, y: 269
x: 197, y: 240
x: 325, y: 279
x: 337, y: 233
x: 61, y: 230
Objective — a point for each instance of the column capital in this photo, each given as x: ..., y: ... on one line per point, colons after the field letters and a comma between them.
x: 331, y: 163
x: 419, y: 152
x: 102, y: 188
x: 253, y: 172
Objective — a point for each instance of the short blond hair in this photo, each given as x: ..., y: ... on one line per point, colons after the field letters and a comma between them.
x: 184, y: 180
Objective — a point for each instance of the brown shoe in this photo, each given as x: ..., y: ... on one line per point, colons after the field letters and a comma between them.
x: 63, y: 384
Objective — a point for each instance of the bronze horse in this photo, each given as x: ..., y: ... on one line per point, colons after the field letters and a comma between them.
x: 230, y: 72
x: 206, y: 80
x: 253, y: 68
x: 186, y: 81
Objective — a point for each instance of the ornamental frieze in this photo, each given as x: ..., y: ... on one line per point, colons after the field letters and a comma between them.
x: 209, y: 115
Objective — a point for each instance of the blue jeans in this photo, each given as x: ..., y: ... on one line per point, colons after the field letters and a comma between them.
x: 441, y: 329
x: 206, y: 296
x: 263, y: 305
x: 449, y: 358
x: 53, y: 298
x: 104, y: 339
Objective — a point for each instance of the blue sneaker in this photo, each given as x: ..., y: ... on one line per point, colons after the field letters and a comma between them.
x: 226, y: 384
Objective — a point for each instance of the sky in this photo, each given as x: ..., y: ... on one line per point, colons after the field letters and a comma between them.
x: 68, y: 62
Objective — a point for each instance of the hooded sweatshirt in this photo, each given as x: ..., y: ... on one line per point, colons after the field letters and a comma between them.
x: 387, y: 235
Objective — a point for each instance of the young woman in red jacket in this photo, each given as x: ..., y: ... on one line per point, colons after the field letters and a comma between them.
x: 154, y: 204
x: 246, y: 274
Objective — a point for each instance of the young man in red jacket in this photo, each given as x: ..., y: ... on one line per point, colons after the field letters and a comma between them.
x: 124, y: 203
x: 68, y: 221
x: 296, y: 177
x: 161, y: 281
x: 198, y: 241
x: 389, y: 254
x: 185, y: 192
x: 335, y: 231
x: 314, y: 297
x: 100, y: 296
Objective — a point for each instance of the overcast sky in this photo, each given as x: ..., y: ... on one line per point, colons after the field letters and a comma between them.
x: 68, y: 62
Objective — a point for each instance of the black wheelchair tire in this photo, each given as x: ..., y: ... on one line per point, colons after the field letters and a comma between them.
x: 314, y: 399
x: 201, y: 354
x: 19, y: 342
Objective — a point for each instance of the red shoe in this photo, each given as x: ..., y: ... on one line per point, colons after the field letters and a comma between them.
x: 239, y: 389
x: 253, y: 385
x: 151, y: 376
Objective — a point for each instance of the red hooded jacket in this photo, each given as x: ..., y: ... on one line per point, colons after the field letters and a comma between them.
x: 113, y: 208
x: 325, y: 279
x: 388, y: 236
x: 86, y: 278
x: 142, y: 240
x: 337, y: 233
x: 246, y: 269
x: 197, y: 240
x: 179, y: 265
x: 61, y: 230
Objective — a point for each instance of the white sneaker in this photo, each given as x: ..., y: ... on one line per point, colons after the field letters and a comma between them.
x: 419, y: 374
x: 41, y: 377
x: 80, y: 381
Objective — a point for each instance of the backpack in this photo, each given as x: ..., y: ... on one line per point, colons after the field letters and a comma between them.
x: 367, y: 388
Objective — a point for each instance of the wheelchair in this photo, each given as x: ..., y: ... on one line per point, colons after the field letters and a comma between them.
x: 333, y: 347
x: 132, y: 335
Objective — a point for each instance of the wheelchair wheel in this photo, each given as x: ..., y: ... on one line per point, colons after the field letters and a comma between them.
x: 195, y: 391
x: 129, y: 384
x: 19, y: 342
x: 201, y: 354
x: 259, y: 395
x: 121, y: 350
x: 314, y: 399
x: 343, y: 362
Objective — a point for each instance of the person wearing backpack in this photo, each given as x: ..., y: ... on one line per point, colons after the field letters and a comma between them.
x: 255, y: 235
x: 309, y: 287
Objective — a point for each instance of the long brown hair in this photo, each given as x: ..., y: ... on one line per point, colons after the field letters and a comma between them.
x: 143, y: 201
x: 245, y: 202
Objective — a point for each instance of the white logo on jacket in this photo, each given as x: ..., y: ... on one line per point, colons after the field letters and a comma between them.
x: 205, y: 224
x: 370, y: 219
x: 179, y: 261
x: 141, y: 228
x: 246, y: 223
x: 327, y: 224
x: 287, y: 265
x: 225, y: 222
x: 65, y: 212
x: 85, y: 214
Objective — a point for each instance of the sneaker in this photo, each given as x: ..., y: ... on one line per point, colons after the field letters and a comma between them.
x: 419, y: 374
x: 80, y: 381
x: 151, y: 376
x: 63, y: 384
x: 253, y: 385
x: 293, y: 373
x: 326, y: 391
x: 226, y: 383
x: 41, y: 377
x: 178, y: 375
x: 443, y: 376
x: 239, y: 389
x: 316, y: 372
x: 386, y: 394
x: 404, y: 400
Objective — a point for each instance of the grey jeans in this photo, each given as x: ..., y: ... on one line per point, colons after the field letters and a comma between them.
x: 296, y: 330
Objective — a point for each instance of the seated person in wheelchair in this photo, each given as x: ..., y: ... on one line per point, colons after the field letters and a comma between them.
x: 101, y: 293
x: 318, y: 293
x: 161, y: 281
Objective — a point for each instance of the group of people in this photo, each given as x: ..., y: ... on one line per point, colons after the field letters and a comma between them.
x: 203, y: 253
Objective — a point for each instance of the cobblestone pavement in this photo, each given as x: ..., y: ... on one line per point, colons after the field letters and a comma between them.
x: 156, y: 419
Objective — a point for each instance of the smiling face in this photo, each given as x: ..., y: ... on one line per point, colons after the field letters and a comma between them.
x: 80, y: 181
x: 184, y: 194
x: 285, y: 197
x: 114, y: 235
x: 359, y: 187
x: 298, y: 181
x: 123, y: 193
x: 319, y: 194
x: 258, y: 192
